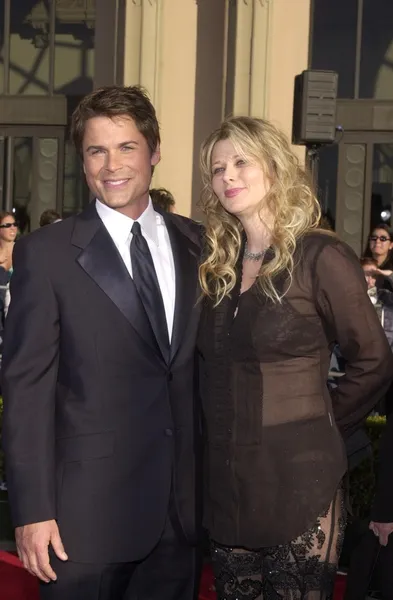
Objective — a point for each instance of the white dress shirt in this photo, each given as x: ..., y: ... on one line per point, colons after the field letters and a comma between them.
x: 155, y: 232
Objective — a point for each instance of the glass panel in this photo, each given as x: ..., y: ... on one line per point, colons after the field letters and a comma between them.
x: 334, y: 41
x: 22, y: 181
x: 382, y: 185
x: 74, y: 43
x: 45, y: 178
x: 29, y: 47
x: 327, y: 183
x: 2, y: 7
x: 2, y: 172
x: 76, y: 193
x: 350, y: 198
x: 34, y: 179
x: 376, y: 66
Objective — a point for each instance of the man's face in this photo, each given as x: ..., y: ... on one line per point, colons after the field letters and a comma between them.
x: 118, y: 163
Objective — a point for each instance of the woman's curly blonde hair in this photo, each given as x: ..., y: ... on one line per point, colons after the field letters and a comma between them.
x: 290, y: 202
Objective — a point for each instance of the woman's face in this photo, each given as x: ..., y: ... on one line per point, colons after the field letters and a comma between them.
x: 8, y: 229
x: 380, y: 243
x: 238, y: 182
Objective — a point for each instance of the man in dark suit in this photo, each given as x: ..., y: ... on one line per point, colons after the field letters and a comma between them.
x: 372, y: 558
x: 101, y: 421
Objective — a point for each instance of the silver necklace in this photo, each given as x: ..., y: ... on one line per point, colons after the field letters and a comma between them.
x: 253, y: 255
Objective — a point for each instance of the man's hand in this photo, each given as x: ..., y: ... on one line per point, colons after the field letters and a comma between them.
x: 382, y: 531
x: 32, y: 542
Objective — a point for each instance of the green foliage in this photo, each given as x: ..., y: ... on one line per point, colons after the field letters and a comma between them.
x: 362, y: 478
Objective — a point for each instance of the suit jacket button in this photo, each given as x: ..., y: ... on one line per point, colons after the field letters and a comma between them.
x: 170, y: 376
x: 168, y: 432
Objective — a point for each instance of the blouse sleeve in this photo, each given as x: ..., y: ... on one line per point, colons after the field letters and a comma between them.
x: 350, y: 319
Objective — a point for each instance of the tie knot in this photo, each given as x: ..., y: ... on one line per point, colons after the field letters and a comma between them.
x: 136, y: 229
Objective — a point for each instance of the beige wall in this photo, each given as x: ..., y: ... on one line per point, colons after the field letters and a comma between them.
x: 203, y: 59
x: 289, y: 39
x: 176, y: 99
x: 160, y: 53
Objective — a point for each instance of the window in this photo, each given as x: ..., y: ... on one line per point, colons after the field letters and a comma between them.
x: 334, y: 41
x: 355, y: 39
x: 48, y: 47
x: 376, y: 63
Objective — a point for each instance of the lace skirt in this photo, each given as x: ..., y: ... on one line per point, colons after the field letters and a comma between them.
x: 303, y: 569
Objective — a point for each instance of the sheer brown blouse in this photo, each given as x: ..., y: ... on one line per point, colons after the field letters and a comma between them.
x: 274, y: 434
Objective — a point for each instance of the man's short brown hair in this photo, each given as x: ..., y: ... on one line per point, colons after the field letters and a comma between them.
x: 116, y: 101
x: 368, y: 260
x: 163, y: 199
x: 48, y: 217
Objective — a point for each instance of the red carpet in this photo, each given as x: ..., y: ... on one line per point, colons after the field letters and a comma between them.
x: 17, y: 584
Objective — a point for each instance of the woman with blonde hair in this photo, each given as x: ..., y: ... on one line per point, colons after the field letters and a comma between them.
x: 278, y: 293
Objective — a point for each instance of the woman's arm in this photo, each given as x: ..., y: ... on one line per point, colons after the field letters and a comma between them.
x: 350, y: 319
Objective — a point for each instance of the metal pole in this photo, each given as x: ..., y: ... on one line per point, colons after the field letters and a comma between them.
x: 6, y: 46
x: 9, y: 174
x: 358, y: 48
x: 52, y: 46
x: 312, y: 160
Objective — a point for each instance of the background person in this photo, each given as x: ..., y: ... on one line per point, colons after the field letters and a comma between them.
x: 372, y: 558
x: 8, y: 234
x: 48, y: 217
x: 382, y: 299
x: 163, y: 199
x: 380, y: 248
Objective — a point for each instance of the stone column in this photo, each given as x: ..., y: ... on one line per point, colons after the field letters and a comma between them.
x: 267, y: 46
x: 248, y: 51
x: 288, y: 56
x: 160, y: 54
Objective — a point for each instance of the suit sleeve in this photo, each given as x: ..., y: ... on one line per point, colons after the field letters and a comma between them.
x: 29, y: 374
x: 350, y: 319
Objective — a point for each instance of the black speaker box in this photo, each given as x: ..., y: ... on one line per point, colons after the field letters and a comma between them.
x: 314, y: 108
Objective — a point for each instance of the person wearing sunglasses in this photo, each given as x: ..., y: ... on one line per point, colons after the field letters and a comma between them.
x: 8, y: 233
x: 380, y: 248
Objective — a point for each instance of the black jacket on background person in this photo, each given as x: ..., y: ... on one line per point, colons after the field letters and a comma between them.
x: 98, y: 426
x: 371, y: 563
x: 382, y: 509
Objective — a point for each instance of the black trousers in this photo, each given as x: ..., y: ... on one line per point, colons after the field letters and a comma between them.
x: 371, y: 567
x: 170, y: 572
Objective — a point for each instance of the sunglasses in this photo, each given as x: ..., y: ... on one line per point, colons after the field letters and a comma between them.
x: 382, y: 238
x: 8, y: 225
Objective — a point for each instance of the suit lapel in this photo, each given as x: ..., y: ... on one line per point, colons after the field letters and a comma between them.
x: 101, y: 260
x: 186, y: 259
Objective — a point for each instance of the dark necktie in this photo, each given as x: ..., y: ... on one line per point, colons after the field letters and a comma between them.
x: 146, y: 282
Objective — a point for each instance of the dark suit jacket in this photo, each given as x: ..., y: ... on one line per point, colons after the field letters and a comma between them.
x: 382, y: 509
x: 97, y: 424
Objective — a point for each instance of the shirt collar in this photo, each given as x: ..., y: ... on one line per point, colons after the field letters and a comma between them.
x: 119, y: 225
